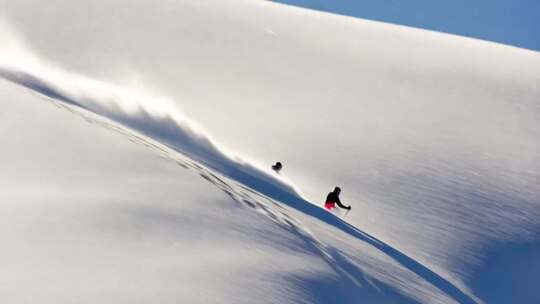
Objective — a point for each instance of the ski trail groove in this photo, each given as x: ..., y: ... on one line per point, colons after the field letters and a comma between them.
x: 239, y: 193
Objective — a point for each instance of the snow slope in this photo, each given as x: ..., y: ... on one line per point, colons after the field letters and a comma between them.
x: 434, y: 139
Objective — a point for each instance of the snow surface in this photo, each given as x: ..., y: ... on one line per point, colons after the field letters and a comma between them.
x: 432, y: 137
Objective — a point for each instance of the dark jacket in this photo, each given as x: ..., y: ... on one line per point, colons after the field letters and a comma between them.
x: 334, y: 198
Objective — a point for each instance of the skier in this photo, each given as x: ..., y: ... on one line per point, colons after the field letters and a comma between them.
x: 277, y: 167
x: 333, y: 198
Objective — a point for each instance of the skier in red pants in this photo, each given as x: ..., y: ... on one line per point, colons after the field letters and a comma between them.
x: 333, y: 198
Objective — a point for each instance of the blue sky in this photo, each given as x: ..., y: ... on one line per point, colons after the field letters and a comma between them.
x: 513, y: 22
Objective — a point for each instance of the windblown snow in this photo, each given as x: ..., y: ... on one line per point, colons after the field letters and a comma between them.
x: 137, y: 140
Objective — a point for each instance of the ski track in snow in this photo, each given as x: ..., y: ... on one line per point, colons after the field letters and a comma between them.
x: 239, y: 193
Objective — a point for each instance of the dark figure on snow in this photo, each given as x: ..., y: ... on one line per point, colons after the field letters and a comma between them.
x: 277, y: 167
x: 333, y: 198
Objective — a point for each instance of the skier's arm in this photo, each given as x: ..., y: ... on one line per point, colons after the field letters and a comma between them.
x: 338, y: 202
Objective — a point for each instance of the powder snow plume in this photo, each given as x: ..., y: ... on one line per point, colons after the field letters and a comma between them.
x: 150, y: 114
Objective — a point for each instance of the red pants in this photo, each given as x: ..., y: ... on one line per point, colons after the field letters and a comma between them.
x: 330, y: 205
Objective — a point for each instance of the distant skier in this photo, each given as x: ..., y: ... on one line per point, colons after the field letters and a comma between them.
x: 333, y: 198
x: 277, y: 167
